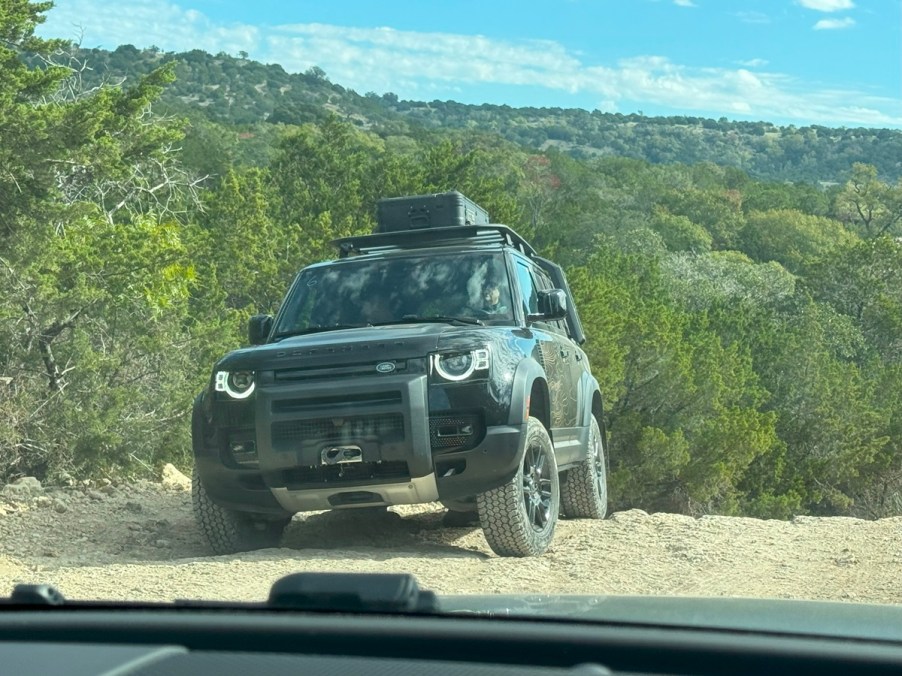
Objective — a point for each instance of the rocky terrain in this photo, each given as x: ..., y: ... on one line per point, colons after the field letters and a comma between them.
x: 139, y: 541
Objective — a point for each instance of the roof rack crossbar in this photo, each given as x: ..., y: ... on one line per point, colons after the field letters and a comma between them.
x: 393, y: 241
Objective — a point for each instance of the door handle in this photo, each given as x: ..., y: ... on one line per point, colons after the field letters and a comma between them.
x: 565, y: 353
x: 579, y: 356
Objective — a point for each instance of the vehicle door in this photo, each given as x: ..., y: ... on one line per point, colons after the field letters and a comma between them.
x: 550, y: 354
x: 576, y: 357
x: 572, y: 359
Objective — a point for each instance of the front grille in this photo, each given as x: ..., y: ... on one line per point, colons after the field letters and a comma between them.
x: 456, y: 432
x: 235, y: 413
x: 382, y: 428
x: 361, y: 473
x: 331, y: 402
x: 333, y: 372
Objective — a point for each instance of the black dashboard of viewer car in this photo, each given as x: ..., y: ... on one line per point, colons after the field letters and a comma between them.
x: 386, y: 625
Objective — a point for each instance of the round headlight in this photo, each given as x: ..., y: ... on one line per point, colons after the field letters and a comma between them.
x: 237, y: 384
x: 461, y: 366
x: 454, y: 367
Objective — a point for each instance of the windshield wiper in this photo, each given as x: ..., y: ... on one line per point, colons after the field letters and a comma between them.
x: 318, y: 329
x: 444, y: 319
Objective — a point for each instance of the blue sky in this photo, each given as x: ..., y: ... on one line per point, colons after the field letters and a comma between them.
x: 829, y: 62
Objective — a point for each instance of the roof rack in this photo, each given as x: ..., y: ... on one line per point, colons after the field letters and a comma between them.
x: 429, y: 237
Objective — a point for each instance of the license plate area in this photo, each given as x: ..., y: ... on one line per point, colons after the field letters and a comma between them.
x: 341, y: 455
x: 340, y: 440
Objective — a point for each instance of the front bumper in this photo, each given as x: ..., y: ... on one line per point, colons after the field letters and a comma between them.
x: 407, y: 447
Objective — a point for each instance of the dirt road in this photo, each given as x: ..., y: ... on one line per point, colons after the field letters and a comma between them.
x: 140, y: 542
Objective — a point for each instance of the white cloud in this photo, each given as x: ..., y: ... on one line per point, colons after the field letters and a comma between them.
x: 436, y: 65
x: 684, y: 3
x: 379, y: 56
x: 827, y: 5
x: 753, y: 63
x: 144, y: 23
x: 753, y: 17
x: 834, y: 24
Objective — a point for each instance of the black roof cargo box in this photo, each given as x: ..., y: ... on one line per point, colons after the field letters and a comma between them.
x: 440, y: 210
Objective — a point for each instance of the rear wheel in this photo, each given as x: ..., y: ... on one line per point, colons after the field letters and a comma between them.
x: 584, y: 489
x: 228, y: 531
x: 518, y: 518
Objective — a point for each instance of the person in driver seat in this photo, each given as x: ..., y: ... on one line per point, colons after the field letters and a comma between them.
x: 491, y: 298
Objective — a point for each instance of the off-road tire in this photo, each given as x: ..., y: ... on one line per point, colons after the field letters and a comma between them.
x: 228, y: 531
x: 584, y: 491
x: 510, y: 528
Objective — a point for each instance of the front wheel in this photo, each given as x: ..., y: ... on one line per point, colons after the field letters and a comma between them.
x: 228, y: 531
x: 518, y: 518
x: 584, y: 489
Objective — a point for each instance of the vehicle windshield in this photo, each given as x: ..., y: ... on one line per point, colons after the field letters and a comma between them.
x: 663, y: 357
x: 396, y: 289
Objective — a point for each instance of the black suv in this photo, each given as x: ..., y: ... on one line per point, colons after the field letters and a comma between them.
x: 424, y: 364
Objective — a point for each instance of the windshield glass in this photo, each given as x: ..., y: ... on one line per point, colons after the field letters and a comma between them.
x: 199, y: 394
x: 397, y: 289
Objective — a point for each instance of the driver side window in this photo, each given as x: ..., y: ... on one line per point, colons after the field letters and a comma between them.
x: 527, y: 290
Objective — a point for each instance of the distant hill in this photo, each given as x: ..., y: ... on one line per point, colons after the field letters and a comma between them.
x: 237, y: 91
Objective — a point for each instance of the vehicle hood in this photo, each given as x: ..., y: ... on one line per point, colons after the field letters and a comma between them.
x: 772, y: 616
x: 371, y: 343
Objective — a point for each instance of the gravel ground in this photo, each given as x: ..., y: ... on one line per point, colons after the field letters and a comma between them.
x: 140, y: 542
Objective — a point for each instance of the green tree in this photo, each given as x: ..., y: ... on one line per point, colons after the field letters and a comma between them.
x: 791, y: 238
x: 717, y: 211
x: 682, y: 407
x: 323, y: 182
x: 833, y: 430
x: 248, y: 261
x: 863, y: 281
x: 94, y: 271
x: 679, y: 233
x: 868, y: 204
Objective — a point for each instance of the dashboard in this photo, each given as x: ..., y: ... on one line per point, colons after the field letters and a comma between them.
x: 145, y: 642
x: 323, y: 624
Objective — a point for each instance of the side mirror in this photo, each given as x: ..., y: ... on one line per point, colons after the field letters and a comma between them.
x: 258, y: 328
x: 552, y: 305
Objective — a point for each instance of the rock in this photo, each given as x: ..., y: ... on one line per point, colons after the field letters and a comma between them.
x: 162, y: 543
x: 134, y: 507
x: 29, y: 481
x: 42, y: 501
x: 630, y: 515
x: 59, y: 506
x: 174, y: 479
x: 23, y: 489
x: 95, y: 495
x: 108, y: 489
x: 846, y: 558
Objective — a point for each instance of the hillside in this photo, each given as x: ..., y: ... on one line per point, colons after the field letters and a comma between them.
x: 235, y: 91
